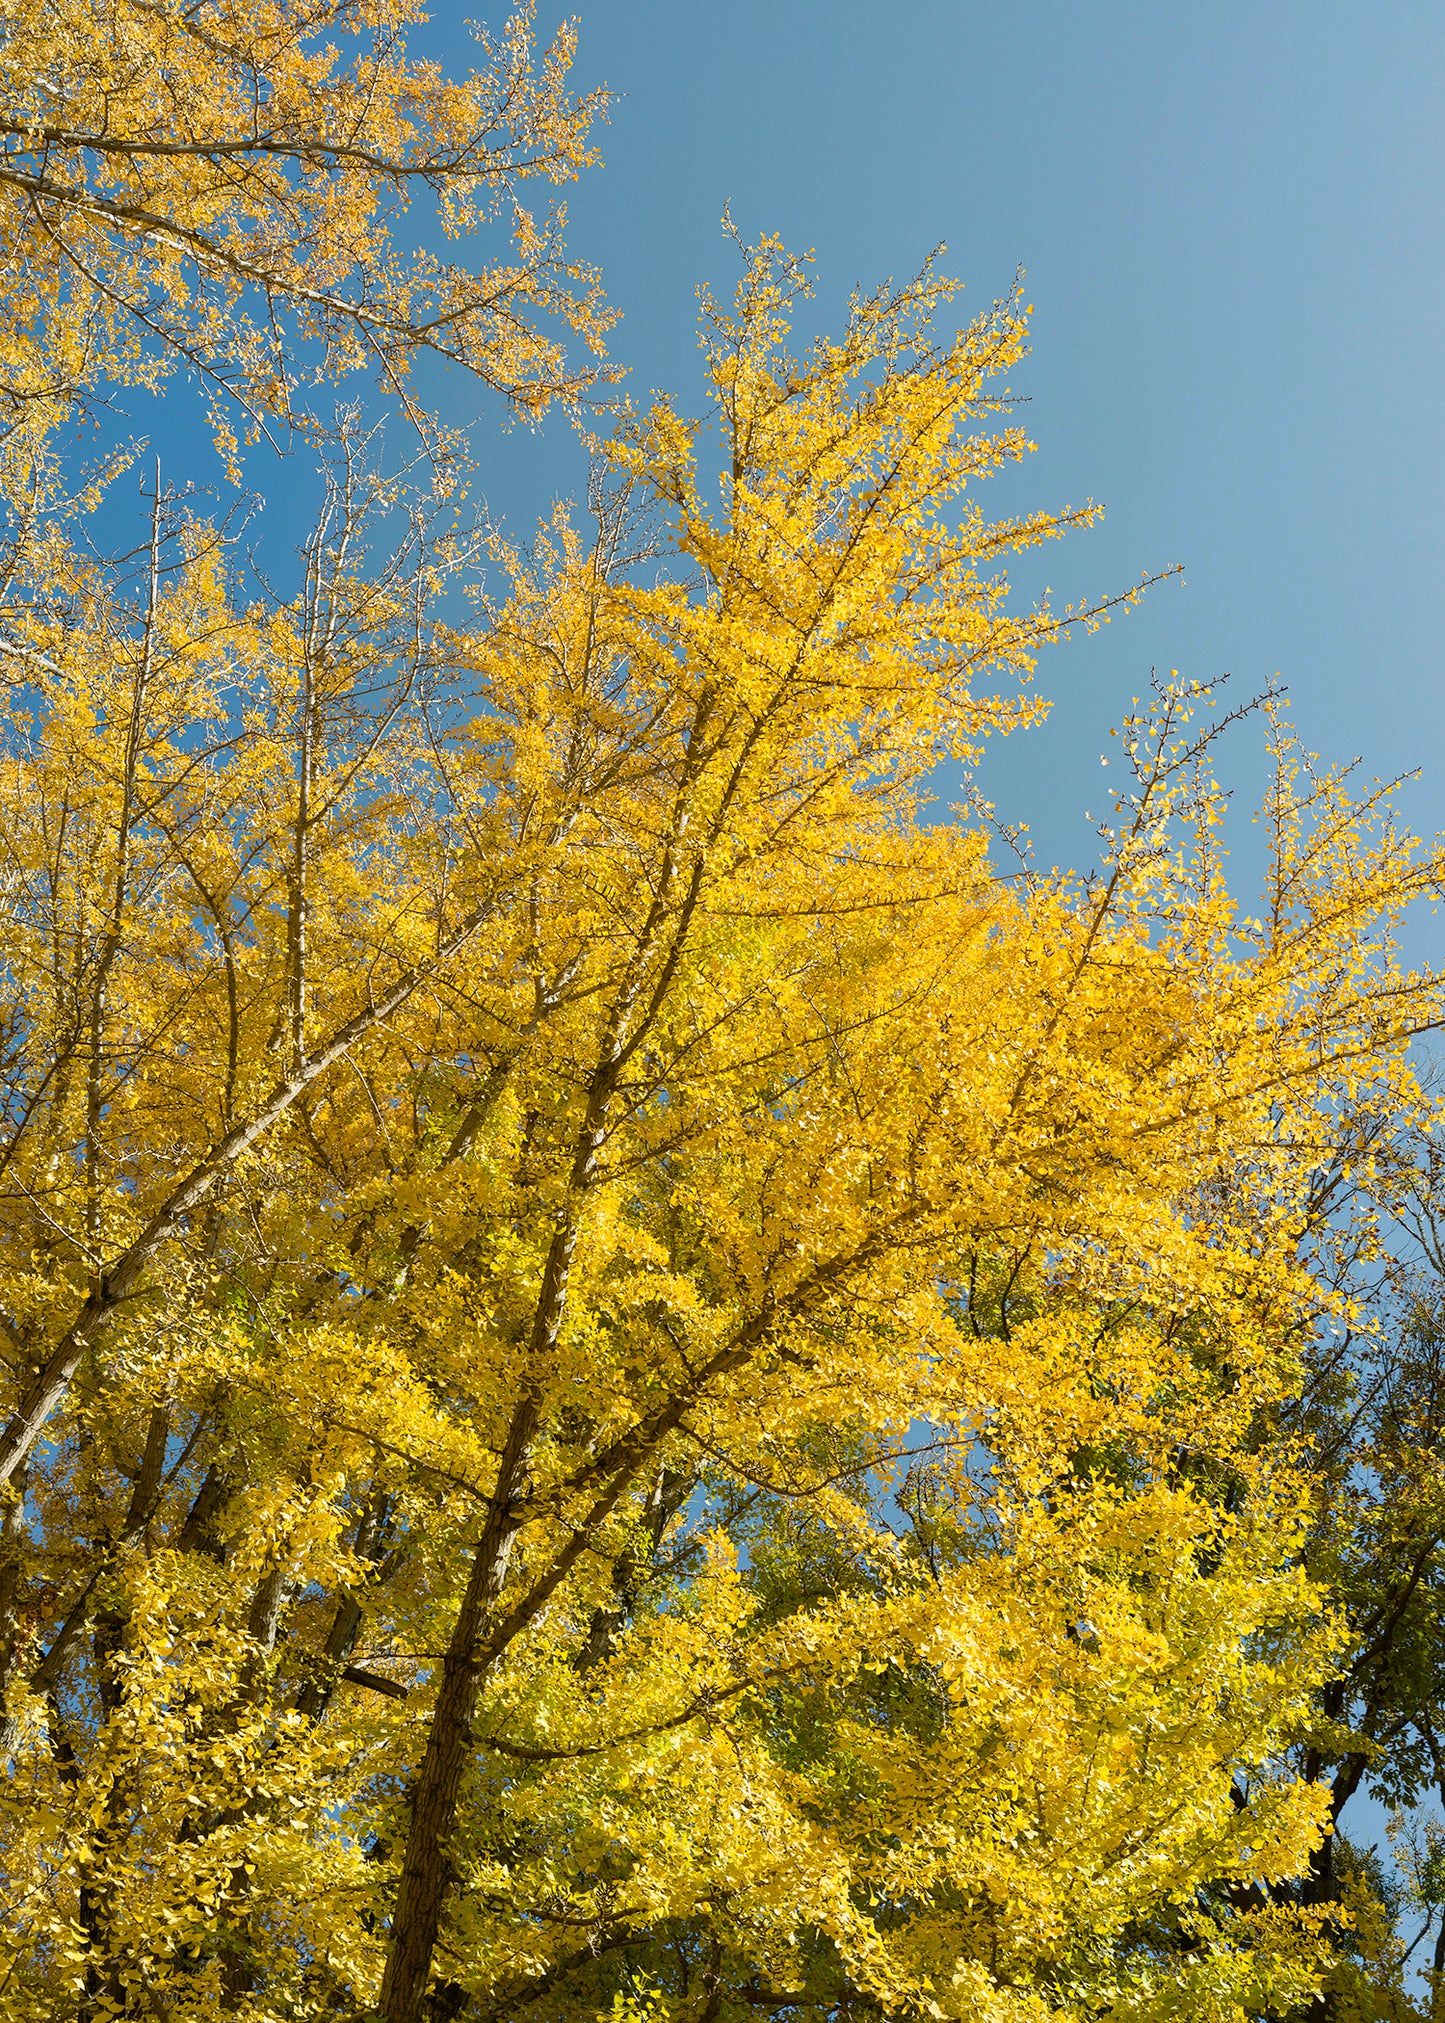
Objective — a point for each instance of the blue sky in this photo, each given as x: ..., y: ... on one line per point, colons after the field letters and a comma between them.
x: 1232, y: 220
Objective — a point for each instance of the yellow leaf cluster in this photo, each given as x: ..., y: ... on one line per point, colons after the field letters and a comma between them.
x: 220, y: 187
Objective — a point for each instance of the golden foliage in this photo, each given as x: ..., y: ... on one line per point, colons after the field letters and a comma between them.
x: 633, y: 1386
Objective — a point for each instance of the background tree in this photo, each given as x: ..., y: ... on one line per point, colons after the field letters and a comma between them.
x: 1369, y: 1409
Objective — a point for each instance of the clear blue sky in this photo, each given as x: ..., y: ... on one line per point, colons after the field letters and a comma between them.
x: 1232, y: 219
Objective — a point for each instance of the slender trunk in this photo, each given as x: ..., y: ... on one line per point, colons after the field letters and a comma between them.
x: 370, y: 1543
x: 13, y: 1635
x: 425, y: 1868
x: 300, y: 895
x: 115, y: 925
x: 669, y: 1492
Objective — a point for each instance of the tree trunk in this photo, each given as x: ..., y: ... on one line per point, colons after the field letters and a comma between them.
x: 426, y: 1868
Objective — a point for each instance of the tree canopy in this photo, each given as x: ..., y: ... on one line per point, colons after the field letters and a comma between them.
x: 634, y: 1385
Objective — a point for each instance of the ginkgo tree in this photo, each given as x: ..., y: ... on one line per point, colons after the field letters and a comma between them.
x: 631, y: 1385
